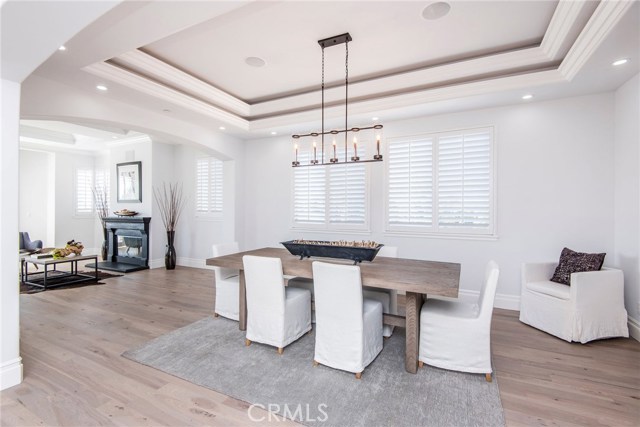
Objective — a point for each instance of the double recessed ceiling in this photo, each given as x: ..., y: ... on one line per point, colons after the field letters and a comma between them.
x: 256, y: 66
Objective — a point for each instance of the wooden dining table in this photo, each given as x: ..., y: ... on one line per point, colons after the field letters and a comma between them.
x: 416, y: 278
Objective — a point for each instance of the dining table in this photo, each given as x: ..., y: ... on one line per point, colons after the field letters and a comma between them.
x: 416, y: 278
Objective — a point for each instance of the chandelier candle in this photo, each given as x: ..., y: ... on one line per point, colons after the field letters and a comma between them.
x: 355, y: 157
x: 296, y: 162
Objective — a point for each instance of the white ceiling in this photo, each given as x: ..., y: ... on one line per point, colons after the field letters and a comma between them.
x: 188, y: 57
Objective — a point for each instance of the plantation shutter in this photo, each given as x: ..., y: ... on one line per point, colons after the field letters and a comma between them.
x: 347, y: 192
x: 209, y: 185
x: 84, y: 195
x: 308, y: 192
x: 410, y: 180
x: 102, y: 184
x: 464, y: 180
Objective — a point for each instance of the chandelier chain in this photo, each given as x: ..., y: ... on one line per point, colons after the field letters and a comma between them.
x: 322, y: 137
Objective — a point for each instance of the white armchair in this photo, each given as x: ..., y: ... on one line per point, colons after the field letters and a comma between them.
x: 456, y: 335
x: 227, y: 286
x: 276, y: 315
x: 591, y: 308
x: 348, y: 327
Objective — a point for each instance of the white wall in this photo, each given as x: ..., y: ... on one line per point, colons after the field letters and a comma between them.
x: 162, y: 171
x: 627, y: 195
x: 554, y: 189
x: 36, y: 168
x: 10, y: 361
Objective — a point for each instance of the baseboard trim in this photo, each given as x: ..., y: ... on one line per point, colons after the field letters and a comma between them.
x: 193, y: 262
x: 505, y: 301
x: 156, y: 263
x: 634, y: 328
x: 10, y: 373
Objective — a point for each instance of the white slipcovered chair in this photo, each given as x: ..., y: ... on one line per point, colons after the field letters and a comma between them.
x: 276, y: 315
x: 227, y: 288
x: 456, y: 335
x: 348, y: 327
x: 387, y: 297
x: 591, y: 308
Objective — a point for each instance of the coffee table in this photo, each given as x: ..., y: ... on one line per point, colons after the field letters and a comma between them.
x: 62, y: 278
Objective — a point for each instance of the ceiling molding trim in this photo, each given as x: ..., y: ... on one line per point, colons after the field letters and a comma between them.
x: 41, y: 134
x: 141, y: 84
x: 130, y: 140
x: 379, y: 105
x: 602, y: 22
x: 562, y: 21
x: 154, y: 67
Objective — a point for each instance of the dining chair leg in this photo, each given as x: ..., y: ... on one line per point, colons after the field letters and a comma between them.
x: 315, y: 363
x: 280, y: 350
x: 420, y: 364
x: 358, y: 375
x: 247, y: 342
x: 488, y: 377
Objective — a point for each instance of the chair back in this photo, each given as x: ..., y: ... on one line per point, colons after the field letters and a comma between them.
x: 488, y: 291
x: 338, y: 299
x: 265, y: 288
x: 388, y: 251
x: 222, y: 249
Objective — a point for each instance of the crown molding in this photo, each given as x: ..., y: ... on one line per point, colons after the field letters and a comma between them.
x: 160, y: 70
x: 157, y: 90
x: 606, y: 16
x: 562, y: 23
x: 130, y: 140
x: 32, y: 133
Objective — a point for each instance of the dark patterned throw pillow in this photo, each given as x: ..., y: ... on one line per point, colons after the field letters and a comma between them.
x: 575, y: 262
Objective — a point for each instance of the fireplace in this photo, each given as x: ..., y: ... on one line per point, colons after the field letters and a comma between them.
x: 128, y: 242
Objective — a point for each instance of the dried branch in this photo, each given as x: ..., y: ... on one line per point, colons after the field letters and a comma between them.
x: 101, y: 203
x: 170, y: 202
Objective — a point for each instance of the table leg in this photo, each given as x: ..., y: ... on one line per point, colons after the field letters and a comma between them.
x: 242, y: 302
x: 44, y: 281
x: 413, y: 306
x: 95, y: 266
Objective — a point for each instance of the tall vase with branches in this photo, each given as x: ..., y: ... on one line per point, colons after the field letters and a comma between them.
x: 101, y: 203
x: 170, y: 201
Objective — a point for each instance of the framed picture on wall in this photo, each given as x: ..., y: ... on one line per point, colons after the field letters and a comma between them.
x: 129, y: 182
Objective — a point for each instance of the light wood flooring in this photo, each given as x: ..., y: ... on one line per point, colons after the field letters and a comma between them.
x: 71, y: 341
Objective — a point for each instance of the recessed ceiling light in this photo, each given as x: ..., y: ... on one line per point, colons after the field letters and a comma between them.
x: 63, y: 47
x: 114, y: 137
x: 436, y: 10
x: 274, y: 133
x: 254, y: 61
x: 620, y: 62
x: 527, y: 96
x: 222, y: 128
x: 101, y: 87
x: 375, y: 119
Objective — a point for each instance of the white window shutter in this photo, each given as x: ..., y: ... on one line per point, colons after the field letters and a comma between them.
x: 84, y: 194
x: 464, y: 180
x: 347, y: 192
x: 308, y: 192
x: 209, y: 185
x: 410, y: 182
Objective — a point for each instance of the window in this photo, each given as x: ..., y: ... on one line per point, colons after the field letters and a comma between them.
x: 209, y: 179
x: 441, y: 183
x: 84, y: 194
x: 330, y: 197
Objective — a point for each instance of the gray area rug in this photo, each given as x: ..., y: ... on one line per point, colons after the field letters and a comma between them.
x: 212, y: 354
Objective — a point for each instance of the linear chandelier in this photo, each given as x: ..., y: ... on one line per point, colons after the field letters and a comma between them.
x: 334, y: 160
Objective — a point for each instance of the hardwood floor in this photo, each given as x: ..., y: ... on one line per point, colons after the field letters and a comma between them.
x: 71, y: 341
